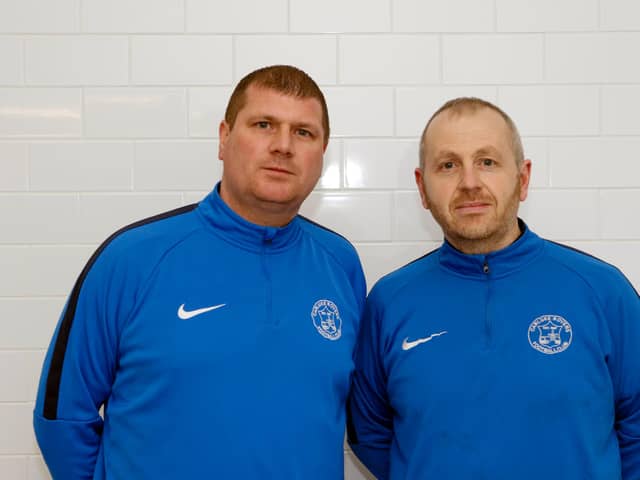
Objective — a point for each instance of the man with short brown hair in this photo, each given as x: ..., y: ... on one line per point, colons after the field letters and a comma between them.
x: 499, y: 355
x: 218, y: 337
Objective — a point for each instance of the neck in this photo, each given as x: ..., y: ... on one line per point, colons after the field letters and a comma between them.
x: 486, y: 245
x: 265, y: 214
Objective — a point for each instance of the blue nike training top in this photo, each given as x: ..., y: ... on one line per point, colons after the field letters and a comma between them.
x: 520, y: 364
x: 219, y: 349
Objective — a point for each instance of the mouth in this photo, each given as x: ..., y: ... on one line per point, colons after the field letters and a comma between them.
x: 278, y: 170
x: 472, y: 208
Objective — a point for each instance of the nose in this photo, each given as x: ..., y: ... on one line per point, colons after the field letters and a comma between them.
x: 469, y: 178
x: 282, y: 143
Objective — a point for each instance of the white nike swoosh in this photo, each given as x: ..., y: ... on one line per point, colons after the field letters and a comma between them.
x: 186, y: 315
x: 409, y: 345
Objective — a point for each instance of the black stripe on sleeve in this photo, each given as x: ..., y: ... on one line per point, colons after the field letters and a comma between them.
x: 50, y: 409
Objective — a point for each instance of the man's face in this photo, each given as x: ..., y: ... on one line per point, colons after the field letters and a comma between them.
x: 471, y: 182
x: 272, y: 156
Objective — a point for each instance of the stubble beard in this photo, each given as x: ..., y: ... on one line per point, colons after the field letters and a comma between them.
x: 481, y: 233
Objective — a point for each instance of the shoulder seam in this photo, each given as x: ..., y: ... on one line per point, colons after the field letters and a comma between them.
x: 54, y: 375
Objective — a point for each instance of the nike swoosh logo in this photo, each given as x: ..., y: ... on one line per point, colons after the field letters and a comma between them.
x: 187, y: 314
x: 409, y: 345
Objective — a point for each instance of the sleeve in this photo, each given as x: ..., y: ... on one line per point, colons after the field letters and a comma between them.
x: 78, y: 372
x: 624, y: 312
x: 369, y: 415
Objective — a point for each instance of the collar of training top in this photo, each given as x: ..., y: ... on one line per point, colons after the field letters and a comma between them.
x: 244, y: 234
x: 495, y: 264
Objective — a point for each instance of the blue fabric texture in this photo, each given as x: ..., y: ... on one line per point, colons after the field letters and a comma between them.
x: 219, y: 349
x: 520, y: 364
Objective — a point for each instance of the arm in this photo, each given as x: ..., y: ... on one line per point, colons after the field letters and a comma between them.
x: 369, y: 416
x: 624, y: 310
x: 77, y: 376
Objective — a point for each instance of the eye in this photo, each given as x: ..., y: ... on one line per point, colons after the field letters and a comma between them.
x: 447, y: 165
x: 304, y: 133
x: 487, y: 162
x: 262, y: 124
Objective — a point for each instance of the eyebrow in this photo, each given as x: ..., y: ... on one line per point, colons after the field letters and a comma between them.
x: 479, y: 152
x: 487, y: 151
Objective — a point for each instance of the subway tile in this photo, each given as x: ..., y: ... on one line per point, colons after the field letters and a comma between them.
x: 315, y: 54
x: 13, y: 468
x: 14, y: 167
x: 40, y: 270
x: 77, y: 60
x: 12, y: 61
x: 80, y: 166
x: 552, y: 110
x: 28, y: 323
x: 619, y: 15
x: 190, y: 198
x: 16, y: 434
x: 374, y: 59
x: 562, y: 214
x: 234, y: 17
x: 37, y: 469
x: 135, y: 112
x: 40, y: 112
x: 379, y: 259
x: 546, y: 15
x: 622, y: 254
x: 380, y: 163
x: 38, y: 218
x: 357, y: 216
x: 588, y: 58
x: 102, y: 214
x: 620, y: 106
x: 443, y: 15
x: 620, y: 214
x: 492, y: 59
x: 411, y: 221
x: 133, y: 16
x: 179, y: 165
x: 339, y: 16
x: 595, y: 162
x: 19, y: 371
x: 206, y: 110
x: 173, y: 59
x: 331, y: 177
x: 535, y: 149
x: 414, y: 105
x: 360, y: 111
x: 39, y: 16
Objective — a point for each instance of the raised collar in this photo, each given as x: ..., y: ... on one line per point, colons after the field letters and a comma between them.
x: 236, y: 230
x: 495, y: 264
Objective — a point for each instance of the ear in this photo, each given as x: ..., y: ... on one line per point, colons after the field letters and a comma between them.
x: 223, y: 135
x: 524, y: 176
x: 419, y: 177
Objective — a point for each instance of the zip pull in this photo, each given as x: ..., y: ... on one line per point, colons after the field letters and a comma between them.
x: 485, y: 267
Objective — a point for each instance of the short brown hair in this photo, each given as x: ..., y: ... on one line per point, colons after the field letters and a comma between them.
x: 281, y: 78
x: 462, y: 105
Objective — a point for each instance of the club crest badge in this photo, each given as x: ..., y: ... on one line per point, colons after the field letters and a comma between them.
x: 326, y: 319
x: 550, y: 334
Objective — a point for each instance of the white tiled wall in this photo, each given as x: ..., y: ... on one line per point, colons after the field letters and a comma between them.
x: 109, y: 112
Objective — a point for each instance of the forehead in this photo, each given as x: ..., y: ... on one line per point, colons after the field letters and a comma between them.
x: 269, y: 102
x: 468, y: 130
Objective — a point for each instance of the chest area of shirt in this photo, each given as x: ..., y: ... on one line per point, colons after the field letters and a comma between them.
x: 487, y: 345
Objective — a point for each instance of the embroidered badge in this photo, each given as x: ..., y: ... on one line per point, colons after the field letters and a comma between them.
x: 326, y: 319
x: 550, y: 334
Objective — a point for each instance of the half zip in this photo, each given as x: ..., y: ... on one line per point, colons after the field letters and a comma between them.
x: 487, y: 316
x: 267, y: 241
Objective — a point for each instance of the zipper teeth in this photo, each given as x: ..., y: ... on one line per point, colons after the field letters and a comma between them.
x: 487, y: 319
x: 268, y: 288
